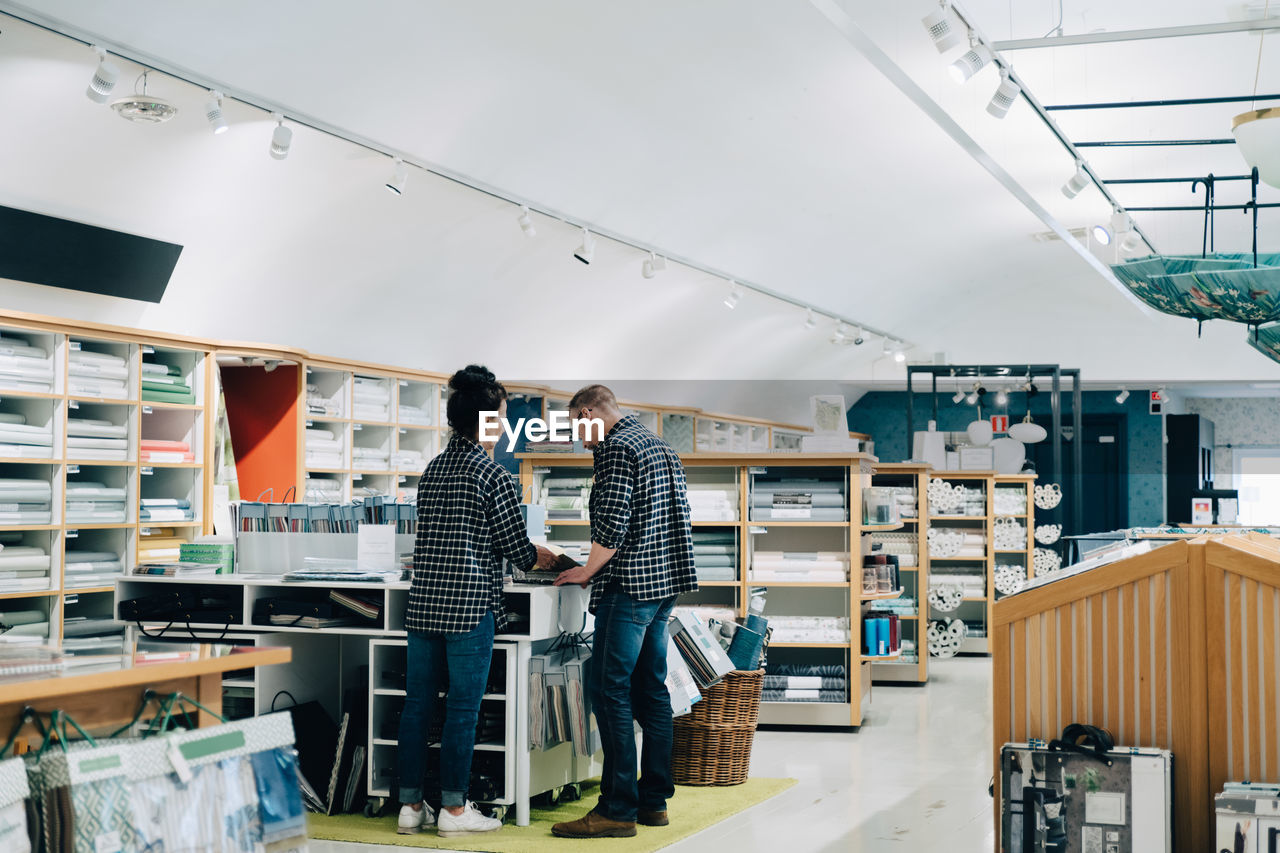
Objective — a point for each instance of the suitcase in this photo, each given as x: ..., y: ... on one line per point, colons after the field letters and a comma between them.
x: 1248, y: 818
x: 1081, y: 794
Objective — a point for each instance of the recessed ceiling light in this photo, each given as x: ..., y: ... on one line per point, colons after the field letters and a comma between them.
x: 1101, y: 234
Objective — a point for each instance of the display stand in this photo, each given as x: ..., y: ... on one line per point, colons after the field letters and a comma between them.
x: 916, y: 579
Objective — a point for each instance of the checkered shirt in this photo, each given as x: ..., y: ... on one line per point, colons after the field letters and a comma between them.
x: 640, y: 506
x: 468, y: 520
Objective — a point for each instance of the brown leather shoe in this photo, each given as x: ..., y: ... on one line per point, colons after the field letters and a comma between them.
x: 648, y: 818
x: 594, y: 825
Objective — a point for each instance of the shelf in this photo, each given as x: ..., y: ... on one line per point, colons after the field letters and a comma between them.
x: 192, y: 465
x: 374, y: 472
x: 715, y: 523
x: 809, y: 645
x: 97, y: 463
x: 1015, y: 551
x: 327, y: 471
x: 36, y: 395
x: 795, y: 523
x: 705, y: 584
x: 373, y: 423
x: 935, y: 559
x: 120, y: 526
x: 77, y: 590
x: 100, y: 401
x: 180, y: 407
x: 570, y: 522
x: 883, y: 596
x: 388, y: 691
x: 10, y: 527
x: 882, y: 528
x: 31, y: 460
x: 802, y: 584
x: 31, y: 593
x: 238, y: 682
x: 880, y: 658
x: 981, y: 518
x: 382, y: 741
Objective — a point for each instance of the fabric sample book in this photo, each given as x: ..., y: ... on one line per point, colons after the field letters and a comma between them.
x: 95, y: 374
x: 162, y: 383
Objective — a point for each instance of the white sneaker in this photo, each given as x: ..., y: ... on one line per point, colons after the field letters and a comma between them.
x: 412, y: 821
x: 469, y: 822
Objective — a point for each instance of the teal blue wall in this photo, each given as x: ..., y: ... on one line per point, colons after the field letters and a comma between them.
x: 883, y: 415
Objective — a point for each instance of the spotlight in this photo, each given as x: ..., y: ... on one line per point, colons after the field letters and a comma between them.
x: 653, y: 265
x: 1002, y: 397
x: 281, y: 138
x: 858, y: 339
x: 1077, y: 182
x: 270, y: 364
x: 1131, y: 242
x: 587, y: 251
x: 399, y: 177
x: 1122, y: 396
x: 1102, y: 235
x: 944, y: 28
x: 810, y: 322
x: 1004, y: 97
x: 972, y: 397
x: 958, y: 396
x: 104, y: 79
x: 899, y: 355
x: 840, y: 333
x: 735, y: 295
x: 526, y: 222
x: 213, y: 112
x: 973, y: 61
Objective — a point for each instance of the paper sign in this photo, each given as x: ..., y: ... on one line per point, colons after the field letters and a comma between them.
x: 376, y: 546
x: 792, y: 505
x: 999, y: 423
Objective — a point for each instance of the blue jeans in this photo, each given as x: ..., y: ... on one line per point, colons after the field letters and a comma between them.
x: 628, y: 681
x: 464, y: 659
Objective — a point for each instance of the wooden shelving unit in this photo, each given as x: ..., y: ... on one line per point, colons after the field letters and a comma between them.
x: 1024, y: 484
x: 915, y: 579
x: 736, y: 472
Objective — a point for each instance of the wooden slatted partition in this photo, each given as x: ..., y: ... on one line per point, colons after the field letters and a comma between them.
x: 1123, y: 648
x: 1242, y: 598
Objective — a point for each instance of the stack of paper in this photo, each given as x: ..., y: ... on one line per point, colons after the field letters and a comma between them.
x: 18, y: 439
x: 416, y: 415
x: 155, y: 450
x: 708, y: 503
x: 409, y: 460
x: 25, y: 502
x: 371, y: 400
x: 159, y: 544
x: 97, y: 374
x: 715, y: 555
x: 323, y: 490
x: 324, y: 449
x: 92, y: 439
x: 23, y: 623
x: 88, y: 635
x: 23, y: 568
x: 165, y: 509
x: 320, y: 405
x: 90, y: 502
x: 163, y: 383
x: 24, y: 367
x: 92, y: 568
x: 566, y: 497
x: 370, y: 458
x: 177, y: 569
x: 800, y: 566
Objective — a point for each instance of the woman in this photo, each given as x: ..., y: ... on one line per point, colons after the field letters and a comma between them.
x: 468, y: 521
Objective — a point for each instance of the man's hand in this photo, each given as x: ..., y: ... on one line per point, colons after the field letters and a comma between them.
x: 545, y: 558
x: 580, y: 575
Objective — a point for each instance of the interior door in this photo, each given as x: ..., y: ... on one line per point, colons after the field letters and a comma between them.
x: 1105, y: 481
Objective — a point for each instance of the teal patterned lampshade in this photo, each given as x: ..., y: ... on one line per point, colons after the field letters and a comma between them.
x: 1266, y: 340
x: 1221, y: 286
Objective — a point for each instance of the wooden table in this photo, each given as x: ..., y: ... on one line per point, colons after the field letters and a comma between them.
x: 102, y: 699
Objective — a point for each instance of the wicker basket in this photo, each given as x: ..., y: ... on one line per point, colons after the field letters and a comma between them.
x: 713, y: 742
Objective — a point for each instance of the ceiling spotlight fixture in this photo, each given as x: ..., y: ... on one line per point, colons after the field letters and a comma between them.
x: 858, y: 339
x: 1122, y: 396
x: 587, y: 251
x: 899, y: 355
x: 1101, y: 234
x: 810, y: 321
x: 653, y: 265
x: 1257, y: 134
x: 143, y: 108
x: 1004, y: 97
x: 281, y: 138
x: 399, y: 177
x: 972, y: 397
x: 1131, y: 242
x: 525, y: 221
x: 944, y: 28
x: 958, y: 396
x: 840, y: 333
x: 973, y: 61
x: 213, y: 112
x: 1002, y: 397
x: 735, y: 296
x: 1076, y: 182
x: 104, y: 78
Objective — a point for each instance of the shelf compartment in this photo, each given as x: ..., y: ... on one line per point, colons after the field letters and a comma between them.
x: 28, y: 362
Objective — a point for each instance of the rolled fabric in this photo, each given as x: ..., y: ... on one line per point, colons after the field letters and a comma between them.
x: 818, y: 499
x: 798, y: 485
x: 27, y: 562
x: 700, y: 549
x: 815, y: 514
x: 95, y: 429
x: 713, y: 560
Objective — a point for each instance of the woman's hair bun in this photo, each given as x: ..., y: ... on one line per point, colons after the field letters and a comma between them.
x: 472, y: 377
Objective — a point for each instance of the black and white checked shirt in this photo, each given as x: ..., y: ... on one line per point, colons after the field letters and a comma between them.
x: 468, y: 520
x: 640, y: 506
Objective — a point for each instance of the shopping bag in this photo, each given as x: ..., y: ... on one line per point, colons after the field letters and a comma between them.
x: 15, y: 793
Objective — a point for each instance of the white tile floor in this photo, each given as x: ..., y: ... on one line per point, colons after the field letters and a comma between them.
x: 914, y: 777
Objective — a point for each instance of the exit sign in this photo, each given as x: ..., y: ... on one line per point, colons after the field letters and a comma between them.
x: 999, y: 423
x: 1156, y: 404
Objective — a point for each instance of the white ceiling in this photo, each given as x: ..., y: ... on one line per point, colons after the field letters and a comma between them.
x: 750, y: 136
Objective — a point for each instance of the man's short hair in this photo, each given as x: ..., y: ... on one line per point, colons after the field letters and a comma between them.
x: 593, y: 397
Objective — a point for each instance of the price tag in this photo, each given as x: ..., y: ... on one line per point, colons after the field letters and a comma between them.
x: 402, y: 479
x: 72, y: 534
x: 147, y: 471
x: 757, y: 469
x: 73, y: 404
x: 403, y: 431
x: 179, y: 762
x: 73, y: 469
x: 146, y: 410
x: 146, y: 350
x: 72, y: 598
x: 357, y: 476
x: 75, y: 346
x: 357, y: 427
x: 757, y: 531
x: 310, y: 423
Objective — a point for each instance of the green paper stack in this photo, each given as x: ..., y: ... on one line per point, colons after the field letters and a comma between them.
x: 221, y: 554
x: 163, y: 383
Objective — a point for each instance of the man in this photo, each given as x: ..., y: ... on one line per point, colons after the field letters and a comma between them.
x: 641, y: 558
